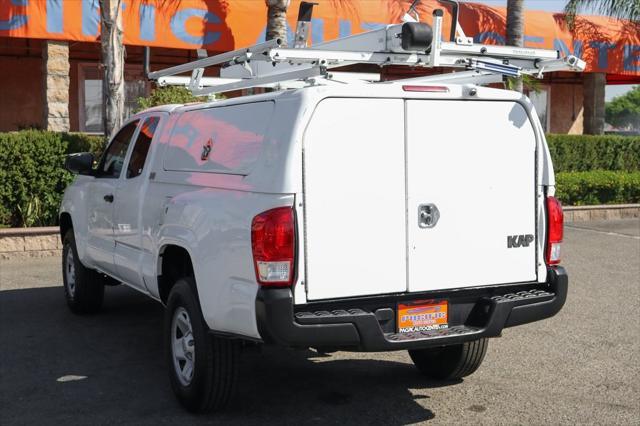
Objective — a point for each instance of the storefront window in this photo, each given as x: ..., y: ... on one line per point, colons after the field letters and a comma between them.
x: 92, y: 106
x: 90, y: 94
x: 540, y: 100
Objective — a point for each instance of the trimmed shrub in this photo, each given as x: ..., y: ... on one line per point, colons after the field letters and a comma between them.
x: 576, y: 153
x: 598, y: 187
x: 81, y: 142
x: 168, y: 95
x: 32, y: 177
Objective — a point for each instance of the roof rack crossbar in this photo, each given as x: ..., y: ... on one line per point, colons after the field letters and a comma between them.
x: 380, y: 47
x: 300, y: 74
x: 239, y: 55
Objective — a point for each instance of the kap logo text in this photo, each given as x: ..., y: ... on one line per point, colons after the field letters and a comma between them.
x: 515, y: 241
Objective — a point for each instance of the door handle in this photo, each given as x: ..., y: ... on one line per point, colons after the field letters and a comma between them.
x: 108, y: 198
x: 428, y: 215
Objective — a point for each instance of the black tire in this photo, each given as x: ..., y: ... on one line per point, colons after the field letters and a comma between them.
x: 83, y: 287
x: 450, y: 362
x: 215, y: 368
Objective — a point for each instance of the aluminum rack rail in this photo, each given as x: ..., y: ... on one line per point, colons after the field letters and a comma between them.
x: 411, y: 44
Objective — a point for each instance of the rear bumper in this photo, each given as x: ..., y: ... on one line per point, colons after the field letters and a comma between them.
x: 369, y: 324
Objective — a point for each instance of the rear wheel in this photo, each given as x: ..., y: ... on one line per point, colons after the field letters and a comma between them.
x: 202, y: 368
x: 83, y: 287
x: 450, y: 362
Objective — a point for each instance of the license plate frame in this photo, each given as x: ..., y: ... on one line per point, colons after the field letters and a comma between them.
x: 422, y: 315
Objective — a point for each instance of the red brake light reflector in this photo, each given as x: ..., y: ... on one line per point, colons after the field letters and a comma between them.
x: 555, y: 219
x: 273, y: 247
x: 436, y: 89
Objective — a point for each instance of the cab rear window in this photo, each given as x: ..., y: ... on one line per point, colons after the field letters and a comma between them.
x: 225, y: 139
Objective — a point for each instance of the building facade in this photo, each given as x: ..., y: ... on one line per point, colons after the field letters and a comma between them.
x: 50, y: 64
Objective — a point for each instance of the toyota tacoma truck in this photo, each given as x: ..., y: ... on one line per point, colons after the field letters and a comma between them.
x: 339, y: 217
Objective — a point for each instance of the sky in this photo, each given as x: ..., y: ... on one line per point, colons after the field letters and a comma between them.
x: 557, y: 6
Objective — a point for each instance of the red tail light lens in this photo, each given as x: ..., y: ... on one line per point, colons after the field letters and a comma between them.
x: 435, y: 89
x: 273, y: 246
x: 555, y: 232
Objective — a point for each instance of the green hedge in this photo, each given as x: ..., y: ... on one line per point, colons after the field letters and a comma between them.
x: 32, y: 178
x: 598, y: 187
x: 576, y: 153
x: 81, y: 142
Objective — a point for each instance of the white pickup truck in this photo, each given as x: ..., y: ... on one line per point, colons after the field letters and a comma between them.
x: 340, y: 217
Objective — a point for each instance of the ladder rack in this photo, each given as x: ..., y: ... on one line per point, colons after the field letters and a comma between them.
x: 411, y: 44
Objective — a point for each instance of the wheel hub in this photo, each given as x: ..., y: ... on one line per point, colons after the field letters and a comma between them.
x: 182, y: 346
x: 70, y: 273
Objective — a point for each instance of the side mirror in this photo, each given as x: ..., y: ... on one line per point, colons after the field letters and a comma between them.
x: 80, y: 163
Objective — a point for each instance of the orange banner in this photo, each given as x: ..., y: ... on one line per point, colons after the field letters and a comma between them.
x: 606, y: 44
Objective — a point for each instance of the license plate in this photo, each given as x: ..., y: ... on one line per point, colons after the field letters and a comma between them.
x: 422, y: 315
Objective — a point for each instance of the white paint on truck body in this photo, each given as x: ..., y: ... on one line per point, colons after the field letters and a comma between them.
x: 355, y: 223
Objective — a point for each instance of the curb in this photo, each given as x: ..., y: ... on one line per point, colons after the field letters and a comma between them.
x: 19, y: 243
x: 601, y: 212
x: 21, y: 232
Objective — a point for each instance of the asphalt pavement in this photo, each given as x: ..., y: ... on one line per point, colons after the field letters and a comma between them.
x: 582, y: 366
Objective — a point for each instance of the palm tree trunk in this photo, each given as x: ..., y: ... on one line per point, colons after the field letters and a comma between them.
x: 515, y: 30
x: 593, y: 84
x: 113, y: 65
x: 277, y: 19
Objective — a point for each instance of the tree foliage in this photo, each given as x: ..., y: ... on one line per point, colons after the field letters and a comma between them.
x: 619, y: 9
x: 624, y: 111
x: 168, y: 95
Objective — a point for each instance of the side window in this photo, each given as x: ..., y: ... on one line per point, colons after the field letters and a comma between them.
x: 222, y: 139
x: 113, y: 159
x: 141, y: 147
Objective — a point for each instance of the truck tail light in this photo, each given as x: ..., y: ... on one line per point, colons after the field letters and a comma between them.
x: 435, y: 89
x: 555, y: 230
x: 273, y: 245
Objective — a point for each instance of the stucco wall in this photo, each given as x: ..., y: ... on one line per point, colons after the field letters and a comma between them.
x: 566, y: 112
x: 20, y: 92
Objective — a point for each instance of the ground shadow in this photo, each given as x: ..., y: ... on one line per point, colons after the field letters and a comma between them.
x: 120, y: 353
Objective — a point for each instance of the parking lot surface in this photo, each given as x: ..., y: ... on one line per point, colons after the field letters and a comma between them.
x: 582, y: 366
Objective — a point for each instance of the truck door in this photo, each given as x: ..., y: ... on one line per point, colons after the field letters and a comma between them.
x: 128, y: 202
x: 471, y: 194
x: 100, y: 203
x: 354, y: 198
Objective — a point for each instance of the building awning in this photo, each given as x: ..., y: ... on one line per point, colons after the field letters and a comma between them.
x: 608, y: 45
